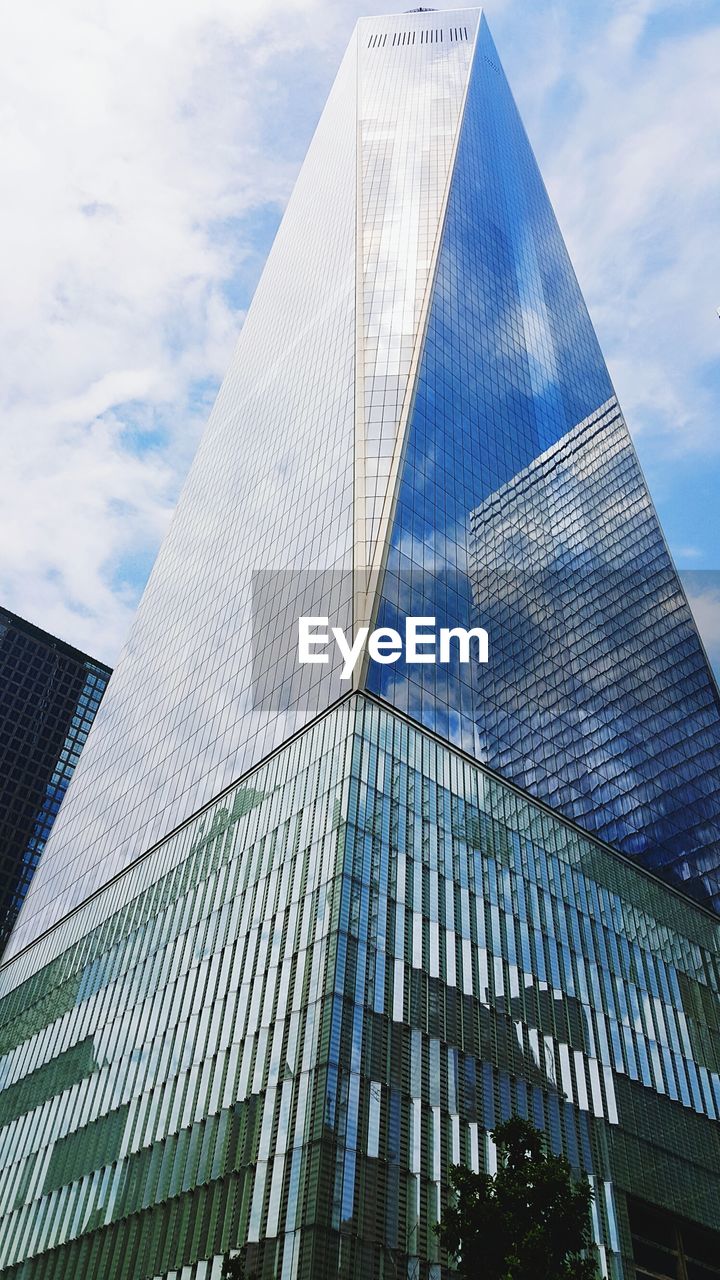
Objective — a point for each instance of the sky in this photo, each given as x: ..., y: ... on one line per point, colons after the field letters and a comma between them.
x: 148, y: 149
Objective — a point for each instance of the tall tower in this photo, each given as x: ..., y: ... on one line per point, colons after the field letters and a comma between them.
x: 298, y: 942
x: 49, y: 694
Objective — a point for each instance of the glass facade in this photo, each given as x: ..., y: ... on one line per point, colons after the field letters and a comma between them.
x: 294, y: 471
x: 417, y: 341
x: 283, y: 1025
x: 271, y: 488
x: 600, y: 699
x: 49, y: 695
x: 520, y: 506
x: 412, y: 81
x: 665, y: 1247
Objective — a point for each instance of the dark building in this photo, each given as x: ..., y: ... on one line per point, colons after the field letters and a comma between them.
x: 49, y: 693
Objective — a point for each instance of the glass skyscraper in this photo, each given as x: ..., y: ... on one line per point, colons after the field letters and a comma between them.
x: 49, y: 694
x: 297, y: 943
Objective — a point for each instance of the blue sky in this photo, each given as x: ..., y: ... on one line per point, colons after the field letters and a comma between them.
x: 150, y: 151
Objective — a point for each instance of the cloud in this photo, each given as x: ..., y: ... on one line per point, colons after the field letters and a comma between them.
x: 147, y: 151
x: 132, y: 147
x: 626, y: 132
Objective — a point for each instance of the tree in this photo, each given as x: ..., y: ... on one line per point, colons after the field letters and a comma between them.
x: 530, y: 1221
x: 233, y: 1268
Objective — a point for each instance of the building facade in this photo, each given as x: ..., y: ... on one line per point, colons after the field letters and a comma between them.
x: 299, y: 942
x: 49, y: 694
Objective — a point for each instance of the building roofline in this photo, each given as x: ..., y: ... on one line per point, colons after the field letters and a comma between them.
x: 422, y: 13
x: 706, y: 913
x: 47, y: 638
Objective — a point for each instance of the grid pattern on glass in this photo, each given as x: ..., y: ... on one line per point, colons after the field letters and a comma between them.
x: 49, y: 696
x: 85, y: 710
x: 303, y: 428
x: 510, y: 367
x: 599, y: 698
x: 411, y: 91
x: 271, y: 487
x: 332, y: 986
x: 510, y: 364
x: 665, y: 1247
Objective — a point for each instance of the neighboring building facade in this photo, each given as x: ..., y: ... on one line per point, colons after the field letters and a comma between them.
x: 599, y: 699
x: 297, y: 944
x: 49, y: 694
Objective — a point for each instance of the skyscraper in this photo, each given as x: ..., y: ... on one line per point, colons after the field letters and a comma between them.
x: 297, y: 942
x: 49, y: 694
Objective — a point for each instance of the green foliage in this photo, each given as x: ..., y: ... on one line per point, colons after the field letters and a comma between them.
x: 233, y: 1268
x: 530, y: 1221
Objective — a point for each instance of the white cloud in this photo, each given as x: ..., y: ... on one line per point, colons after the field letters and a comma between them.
x: 130, y: 135
x: 688, y: 552
x: 634, y: 171
x: 135, y: 138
